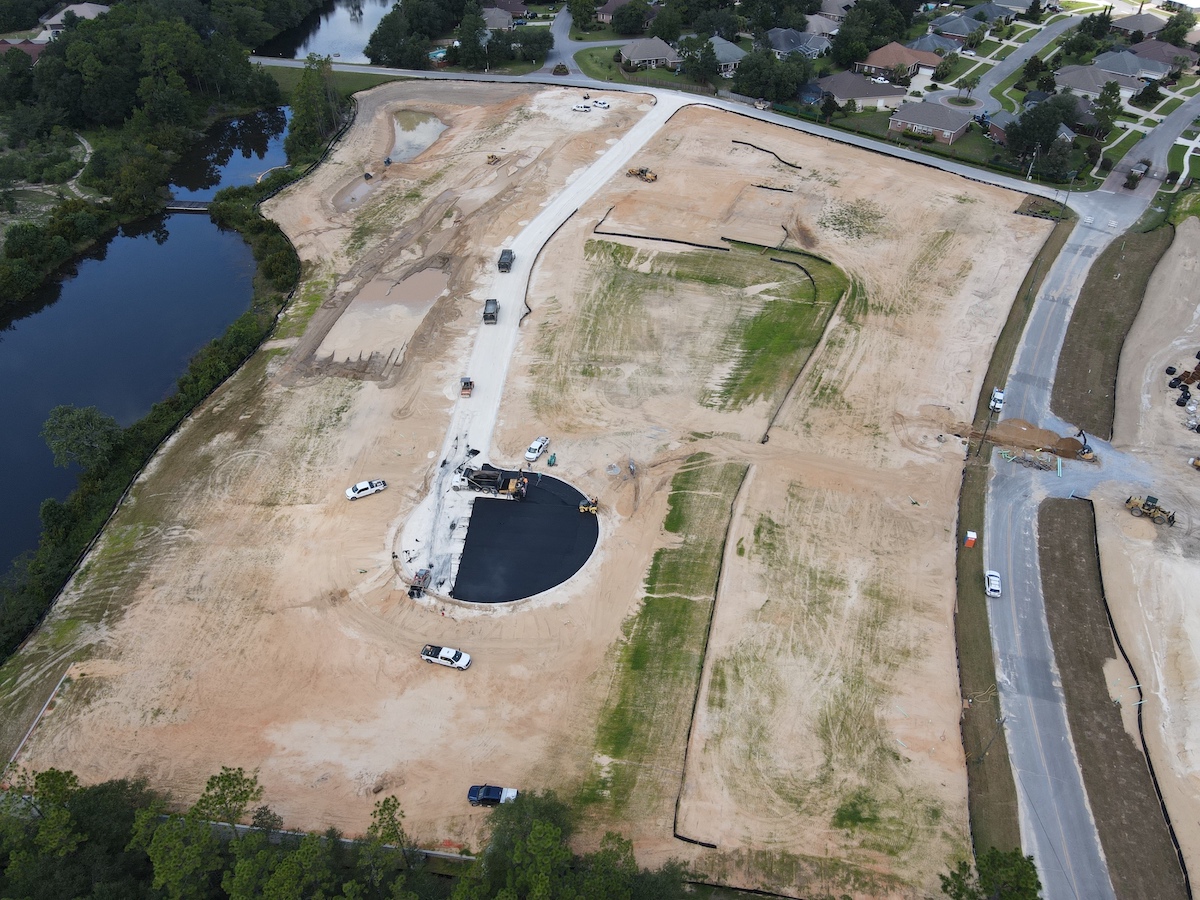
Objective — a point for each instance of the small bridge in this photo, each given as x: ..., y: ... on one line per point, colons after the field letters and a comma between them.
x: 195, y: 206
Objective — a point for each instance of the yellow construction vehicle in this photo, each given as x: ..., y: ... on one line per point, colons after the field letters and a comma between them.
x: 643, y: 173
x: 1148, y: 506
x: 493, y: 159
x: 589, y: 505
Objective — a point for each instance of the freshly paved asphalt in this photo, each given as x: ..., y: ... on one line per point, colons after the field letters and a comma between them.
x: 1057, y: 826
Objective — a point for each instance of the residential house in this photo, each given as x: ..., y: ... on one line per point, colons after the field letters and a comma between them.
x: 891, y: 57
x: 653, y: 53
x: 991, y: 13
x: 55, y: 23
x: 1149, y: 25
x: 1089, y: 81
x: 1065, y: 134
x: 1122, y: 62
x: 605, y: 13
x: 32, y: 49
x: 945, y: 123
x: 862, y: 90
x: 955, y: 26
x: 515, y: 8
x: 997, y: 125
x: 1169, y: 54
x: 497, y: 19
x: 728, y: 55
x: 1033, y: 98
x: 786, y: 41
x: 835, y: 9
x: 818, y: 24
x: 935, y: 43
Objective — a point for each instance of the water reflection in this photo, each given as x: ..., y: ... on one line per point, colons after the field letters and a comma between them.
x: 233, y: 153
x: 339, y: 28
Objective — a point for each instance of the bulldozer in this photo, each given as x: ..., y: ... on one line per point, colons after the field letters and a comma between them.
x: 643, y: 173
x: 589, y: 505
x: 493, y: 159
x: 1148, y: 506
x: 1194, y: 462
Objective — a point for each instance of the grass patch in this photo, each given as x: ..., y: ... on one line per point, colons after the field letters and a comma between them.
x: 1170, y: 106
x: 598, y: 64
x: 992, y: 793
x: 1137, y: 845
x: 1186, y: 204
x: 1117, y: 150
x: 346, y: 83
x: 643, y: 728
x: 987, y: 48
x: 1085, y: 384
x: 1175, y: 157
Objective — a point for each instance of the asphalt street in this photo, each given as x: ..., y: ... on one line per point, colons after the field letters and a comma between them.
x: 1057, y: 826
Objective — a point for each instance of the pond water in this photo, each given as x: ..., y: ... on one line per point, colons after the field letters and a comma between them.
x: 340, y: 29
x: 415, y: 132
x: 120, y: 325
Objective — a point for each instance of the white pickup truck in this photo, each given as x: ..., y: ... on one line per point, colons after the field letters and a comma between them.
x: 445, y: 656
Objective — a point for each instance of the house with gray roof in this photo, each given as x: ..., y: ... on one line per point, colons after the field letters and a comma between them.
x: 81, y: 10
x: 862, y: 90
x: 835, y: 9
x: 935, y: 43
x: 1122, y: 62
x: 818, y: 24
x: 728, y: 55
x: 1161, y: 51
x: 653, y: 53
x: 955, y: 25
x: 1089, y: 81
x: 786, y: 41
x: 497, y: 19
x: 945, y: 123
x: 1149, y: 25
x: 998, y: 124
x: 605, y: 13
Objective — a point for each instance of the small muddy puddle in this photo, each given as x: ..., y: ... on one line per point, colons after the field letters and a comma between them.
x: 416, y: 292
x: 384, y: 315
x: 415, y: 132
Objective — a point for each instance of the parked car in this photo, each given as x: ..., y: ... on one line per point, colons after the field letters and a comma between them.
x: 365, y: 489
x: 537, y: 448
x: 582, y: 107
x: 997, y: 401
x: 600, y: 104
x: 967, y: 51
x: 445, y: 656
x: 490, y: 795
x: 879, y: 80
x: 991, y: 582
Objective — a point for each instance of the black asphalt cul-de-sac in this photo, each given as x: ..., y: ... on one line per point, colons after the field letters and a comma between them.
x: 515, y: 549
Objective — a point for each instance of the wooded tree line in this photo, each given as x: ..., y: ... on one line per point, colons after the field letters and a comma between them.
x: 118, y: 840
x: 404, y: 37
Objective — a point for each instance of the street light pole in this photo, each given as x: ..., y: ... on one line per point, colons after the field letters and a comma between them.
x: 1062, y: 210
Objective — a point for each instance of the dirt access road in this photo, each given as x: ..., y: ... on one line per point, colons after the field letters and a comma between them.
x: 240, y: 612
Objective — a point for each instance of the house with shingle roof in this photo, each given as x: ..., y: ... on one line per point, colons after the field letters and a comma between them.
x: 1146, y: 23
x: 819, y: 24
x: 515, y: 8
x: 998, y: 124
x: 1089, y: 81
x: 497, y: 19
x: 32, y: 49
x: 728, y: 55
x: 786, y: 41
x: 605, y: 13
x: 933, y: 43
x: 835, y: 9
x: 654, y: 53
x: 1122, y: 62
x: 862, y: 90
x: 891, y: 56
x: 945, y: 123
x: 1161, y: 51
x: 81, y: 10
x: 955, y: 25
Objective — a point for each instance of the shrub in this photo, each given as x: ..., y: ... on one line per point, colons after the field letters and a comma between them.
x: 1106, y: 164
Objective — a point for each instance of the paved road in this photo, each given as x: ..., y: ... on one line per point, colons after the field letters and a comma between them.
x: 1057, y: 826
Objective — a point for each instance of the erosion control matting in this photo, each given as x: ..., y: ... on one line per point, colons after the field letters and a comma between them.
x: 515, y: 549
x: 1142, y: 858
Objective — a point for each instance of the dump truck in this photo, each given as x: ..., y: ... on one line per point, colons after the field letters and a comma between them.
x: 506, y: 261
x: 1148, y: 506
x: 491, y: 312
x: 420, y: 583
x: 465, y: 386
x: 643, y: 173
x: 488, y: 480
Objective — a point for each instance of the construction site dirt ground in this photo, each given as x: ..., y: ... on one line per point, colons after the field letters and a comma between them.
x: 1150, y: 572
x: 240, y: 612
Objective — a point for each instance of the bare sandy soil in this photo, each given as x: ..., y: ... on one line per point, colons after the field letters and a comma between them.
x: 255, y: 618
x: 1150, y: 573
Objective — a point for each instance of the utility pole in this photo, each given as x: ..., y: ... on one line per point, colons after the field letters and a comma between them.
x: 1036, y: 149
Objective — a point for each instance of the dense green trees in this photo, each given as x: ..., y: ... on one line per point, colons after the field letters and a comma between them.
x: 118, y: 839
x: 1176, y: 30
x: 404, y: 36
x: 997, y: 876
x: 760, y: 74
x: 81, y: 435
x: 316, y: 110
x: 868, y: 26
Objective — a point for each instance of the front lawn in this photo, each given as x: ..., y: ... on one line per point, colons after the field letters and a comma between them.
x: 1119, y: 148
x: 1169, y: 107
x: 600, y: 33
x: 987, y: 48
x: 598, y: 63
